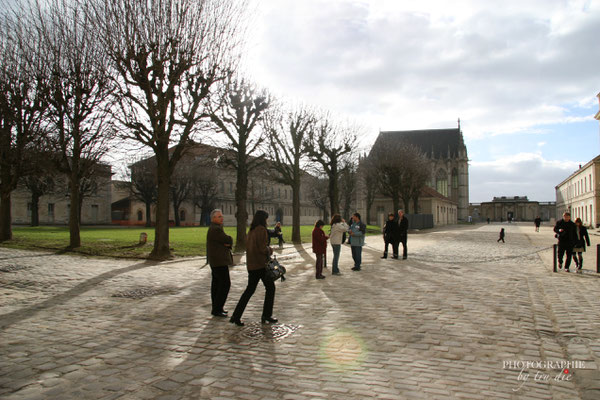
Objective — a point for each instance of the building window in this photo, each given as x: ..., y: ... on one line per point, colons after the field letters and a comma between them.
x: 441, y: 182
x: 182, y: 215
x: 222, y: 187
x: 140, y: 215
x: 29, y: 210
x: 51, y: 210
x: 279, y: 191
x: 230, y: 187
x: 454, y: 179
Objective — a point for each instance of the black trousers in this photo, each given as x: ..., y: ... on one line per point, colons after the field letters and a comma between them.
x: 253, y: 278
x: 403, y: 239
x: 219, y: 287
x: 561, y: 252
x: 387, y: 243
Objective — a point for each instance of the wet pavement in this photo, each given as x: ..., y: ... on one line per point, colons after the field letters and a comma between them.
x: 463, y: 317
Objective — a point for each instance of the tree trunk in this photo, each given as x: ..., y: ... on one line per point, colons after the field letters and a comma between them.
x: 148, y: 213
x: 416, y: 204
x: 396, y: 204
x: 176, y: 214
x: 296, y: 212
x: 334, y: 191
x: 241, y: 215
x: 406, y: 206
x: 161, y: 249
x: 35, y: 209
x: 5, y: 216
x: 74, y: 237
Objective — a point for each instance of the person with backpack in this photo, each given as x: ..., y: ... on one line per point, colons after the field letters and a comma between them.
x: 319, y: 246
x: 357, y: 233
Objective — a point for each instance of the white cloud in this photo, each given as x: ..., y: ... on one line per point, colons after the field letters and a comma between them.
x: 518, y: 175
x: 410, y: 65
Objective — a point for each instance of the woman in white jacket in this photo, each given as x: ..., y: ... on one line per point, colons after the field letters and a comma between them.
x: 338, y: 228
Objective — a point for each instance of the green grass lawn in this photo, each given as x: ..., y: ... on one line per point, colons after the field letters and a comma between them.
x: 123, y: 241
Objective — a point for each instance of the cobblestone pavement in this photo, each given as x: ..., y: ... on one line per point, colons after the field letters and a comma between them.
x: 452, y: 321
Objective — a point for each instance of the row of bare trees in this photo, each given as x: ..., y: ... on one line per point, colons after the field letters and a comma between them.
x: 77, y: 77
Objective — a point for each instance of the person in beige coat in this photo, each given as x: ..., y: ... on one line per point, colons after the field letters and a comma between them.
x: 257, y: 257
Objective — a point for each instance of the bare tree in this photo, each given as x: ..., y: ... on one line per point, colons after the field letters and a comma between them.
x: 319, y: 196
x: 369, y: 176
x: 329, y: 145
x: 23, y: 94
x: 347, y: 178
x: 237, y: 117
x: 397, y: 167
x: 39, y: 180
x: 80, y: 87
x: 287, y: 133
x: 167, y: 56
x: 143, y: 185
x: 180, y: 190
x: 204, y: 193
x: 418, y: 174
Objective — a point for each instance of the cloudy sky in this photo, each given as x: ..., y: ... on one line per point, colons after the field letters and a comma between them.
x: 522, y: 76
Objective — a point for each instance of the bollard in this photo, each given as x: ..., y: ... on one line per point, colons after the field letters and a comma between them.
x: 554, y: 258
x: 598, y: 258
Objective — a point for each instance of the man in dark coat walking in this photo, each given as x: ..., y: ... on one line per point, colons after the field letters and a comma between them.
x: 567, y: 236
x: 400, y: 234
x: 388, y: 235
x: 218, y: 254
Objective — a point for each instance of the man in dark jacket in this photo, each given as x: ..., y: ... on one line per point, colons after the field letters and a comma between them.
x: 400, y: 234
x: 566, y: 235
x: 218, y: 254
x: 388, y: 235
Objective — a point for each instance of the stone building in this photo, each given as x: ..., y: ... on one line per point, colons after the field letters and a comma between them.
x: 447, y: 196
x: 516, y: 208
x: 54, y: 208
x: 579, y: 193
x: 263, y: 193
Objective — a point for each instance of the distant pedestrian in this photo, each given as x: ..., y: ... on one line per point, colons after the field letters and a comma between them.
x: 501, y: 236
x: 567, y: 236
x: 537, y: 221
x: 357, y: 240
x: 319, y: 246
x: 488, y: 220
x: 257, y: 256
x: 400, y: 235
x: 388, y: 235
x: 338, y: 229
x: 582, y: 238
x: 218, y: 255
x: 278, y: 234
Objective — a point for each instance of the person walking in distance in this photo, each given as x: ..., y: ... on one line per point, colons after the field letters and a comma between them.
x: 388, y: 235
x: 338, y: 229
x: 319, y: 246
x: 257, y: 256
x: 401, y: 235
x: 218, y: 255
x: 357, y: 240
x: 581, y: 238
x: 537, y: 221
x: 501, y: 237
x: 566, y: 235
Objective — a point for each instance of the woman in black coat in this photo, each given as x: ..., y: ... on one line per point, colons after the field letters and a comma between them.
x: 388, y: 234
x: 581, y: 239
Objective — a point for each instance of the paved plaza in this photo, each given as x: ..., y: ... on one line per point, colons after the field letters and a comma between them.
x: 463, y: 317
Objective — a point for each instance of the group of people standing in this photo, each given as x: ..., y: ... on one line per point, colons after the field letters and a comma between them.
x: 219, y: 257
x: 395, y: 232
x: 572, y: 239
x: 356, y: 232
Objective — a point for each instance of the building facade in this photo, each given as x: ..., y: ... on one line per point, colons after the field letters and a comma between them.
x: 517, y: 208
x: 447, y: 195
x: 580, y: 195
x: 53, y: 208
x: 263, y: 194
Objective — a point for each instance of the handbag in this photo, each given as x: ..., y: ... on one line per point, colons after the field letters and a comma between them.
x: 274, y: 270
